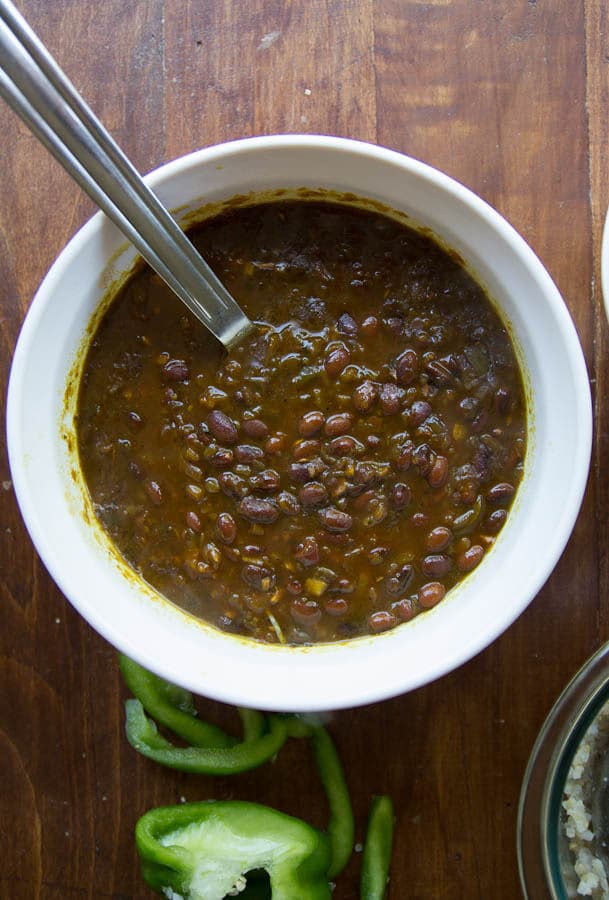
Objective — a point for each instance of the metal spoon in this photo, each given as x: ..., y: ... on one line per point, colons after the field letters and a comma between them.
x: 36, y: 88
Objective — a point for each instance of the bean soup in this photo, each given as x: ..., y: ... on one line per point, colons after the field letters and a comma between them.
x: 338, y: 473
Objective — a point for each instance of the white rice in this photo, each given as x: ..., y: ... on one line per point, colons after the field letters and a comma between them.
x: 589, y: 868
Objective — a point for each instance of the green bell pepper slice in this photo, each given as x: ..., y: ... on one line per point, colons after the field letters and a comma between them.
x: 144, y: 737
x: 205, y: 851
x: 173, y: 707
x: 376, y: 860
x: 341, y: 825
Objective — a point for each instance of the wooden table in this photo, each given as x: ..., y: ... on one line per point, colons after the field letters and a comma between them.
x: 511, y: 98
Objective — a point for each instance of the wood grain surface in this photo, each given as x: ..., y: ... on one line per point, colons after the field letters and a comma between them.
x: 511, y: 98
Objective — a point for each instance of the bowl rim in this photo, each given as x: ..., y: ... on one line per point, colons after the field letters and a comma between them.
x: 342, y: 694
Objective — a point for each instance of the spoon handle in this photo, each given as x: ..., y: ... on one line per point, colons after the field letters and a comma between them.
x: 36, y: 88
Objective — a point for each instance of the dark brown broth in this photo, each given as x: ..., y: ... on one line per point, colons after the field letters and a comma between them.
x: 337, y: 474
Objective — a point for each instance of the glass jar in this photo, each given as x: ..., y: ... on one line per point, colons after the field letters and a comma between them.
x: 544, y: 859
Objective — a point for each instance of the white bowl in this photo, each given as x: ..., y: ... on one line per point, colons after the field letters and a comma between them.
x: 130, y: 614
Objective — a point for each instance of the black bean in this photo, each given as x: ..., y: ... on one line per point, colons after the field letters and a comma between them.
x: 420, y: 520
x: 259, y: 577
x: 307, y: 471
x: 377, y: 511
x: 423, y: 458
x: 338, y: 424
x: 267, y: 481
x: 469, y: 407
x: 344, y: 586
x: 175, y: 370
x: 252, y: 550
x: 203, y: 433
x: 439, y: 374
x: 222, y: 427
x: 226, y: 528
x: 222, y: 458
x: 193, y: 521
x: 337, y: 486
x: 406, y: 367
x: 242, y: 397
x: 293, y: 586
x: 154, y: 492
x: 365, y: 396
x: 405, y: 609
x: 404, y: 456
x: 418, y: 412
x: 381, y: 621
x: 212, y: 555
x: 336, y: 361
x: 436, y: 565
x: 466, y: 481
x: 370, y: 326
x: 390, y: 399
x: 481, y: 460
x: 438, y: 472
x: 377, y: 555
x: 335, y: 606
x: 298, y: 472
x: 232, y: 485
x: 304, y: 450
x: 438, y: 539
x: 501, y: 493
x: 261, y: 512
x: 344, y: 446
x: 496, y: 521
x: 335, y: 520
x: 313, y: 494
x: 366, y: 474
x: 195, y: 473
x: 288, y: 504
x: 275, y: 444
x: 311, y: 423
x: 307, y: 552
x: 347, y: 325
x: 248, y: 453
x: 255, y: 428
x: 305, y: 612
x: 453, y: 363
x: 431, y: 593
x: 470, y: 558
x: 400, y: 495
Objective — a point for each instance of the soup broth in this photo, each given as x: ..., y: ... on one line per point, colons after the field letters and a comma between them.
x: 333, y: 476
